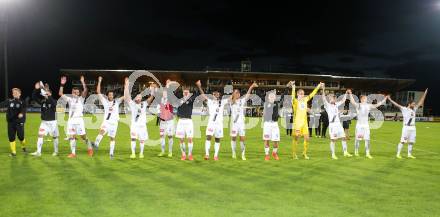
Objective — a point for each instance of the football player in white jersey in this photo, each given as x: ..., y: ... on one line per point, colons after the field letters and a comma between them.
x: 336, y: 130
x: 166, y: 117
x: 362, y: 125
x: 409, y: 124
x: 214, y: 128
x: 138, y: 127
x: 111, y: 117
x: 75, y: 124
x: 237, y: 106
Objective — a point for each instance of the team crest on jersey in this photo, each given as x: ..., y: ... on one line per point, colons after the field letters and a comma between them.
x: 11, y: 105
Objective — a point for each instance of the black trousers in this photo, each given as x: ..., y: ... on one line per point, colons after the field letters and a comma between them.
x: 318, y: 129
x: 15, y: 130
x: 324, y: 129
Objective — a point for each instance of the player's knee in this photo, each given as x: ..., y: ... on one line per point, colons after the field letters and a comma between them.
x: 234, y: 138
x: 217, y: 140
x: 133, y: 140
x: 190, y: 140
x: 242, y: 138
x: 208, y: 138
x: 112, y: 139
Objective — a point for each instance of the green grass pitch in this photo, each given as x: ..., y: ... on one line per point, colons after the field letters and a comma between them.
x: 384, y: 186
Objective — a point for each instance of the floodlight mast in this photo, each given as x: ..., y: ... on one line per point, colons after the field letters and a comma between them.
x: 4, y: 15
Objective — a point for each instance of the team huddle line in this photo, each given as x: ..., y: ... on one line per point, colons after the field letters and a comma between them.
x: 169, y: 97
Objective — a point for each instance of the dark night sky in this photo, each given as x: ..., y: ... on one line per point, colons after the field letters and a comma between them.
x: 372, y: 37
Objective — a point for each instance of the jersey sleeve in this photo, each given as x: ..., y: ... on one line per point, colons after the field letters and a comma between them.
x: 293, y: 95
x: 4, y: 103
x: 313, y: 93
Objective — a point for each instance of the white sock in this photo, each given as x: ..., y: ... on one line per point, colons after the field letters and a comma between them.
x: 216, y: 148
x: 98, y: 139
x: 233, y: 146
x: 356, y: 146
x: 112, y: 147
x: 190, y: 148
x: 170, y: 145
x: 266, y: 150
x: 73, y: 146
x: 162, y: 144
x: 243, y: 148
x: 399, y: 148
x: 39, y: 144
x: 89, y: 144
x: 367, y: 146
x: 142, y: 145
x: 207, y: 147
x: 410, y: 148
x: 55, y: 145
x: 344, y: 146
x: 133, y: 147
x: 275, y: 150
x: 182, y: 148
x: 332, y: 147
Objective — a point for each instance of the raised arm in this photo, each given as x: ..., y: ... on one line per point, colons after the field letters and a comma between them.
x: 395, y: 103
x: 324, y: 99
x: 36, y: 93
x: 152, y: 92
x: 342, y: 101
x: 98, y: 88
x: 292, y: 84
x: 422, y: 100
x: 127, y: 96
x: 312, y: 94
x: 380, y: 103
x: 352, y: 101
x: 199, y: 86
x: 62, y: 83
x: 83, y: 83
x: 248, y: 93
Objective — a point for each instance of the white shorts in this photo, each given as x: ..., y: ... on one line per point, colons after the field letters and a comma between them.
x: 336, y: 131
x: 214, y: 129
x: 49, y: 128
x: 139, y: 132
x: 110, y: 128
x: 184, y: 128
x: 238, y: 129
x: 166, y: 128
x: 408, y: 134
x: 75, y: 126
x: 271, y: 131
x: 362, y: 132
